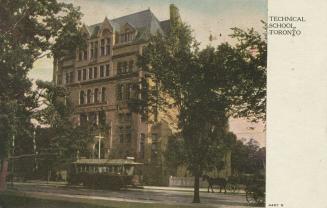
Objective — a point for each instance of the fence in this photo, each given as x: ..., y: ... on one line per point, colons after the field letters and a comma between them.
x: 185, y: 182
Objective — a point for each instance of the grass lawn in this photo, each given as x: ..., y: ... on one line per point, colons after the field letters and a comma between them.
x: 12, y: 199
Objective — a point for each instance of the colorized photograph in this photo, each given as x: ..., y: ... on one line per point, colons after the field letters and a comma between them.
x: 133, y: 103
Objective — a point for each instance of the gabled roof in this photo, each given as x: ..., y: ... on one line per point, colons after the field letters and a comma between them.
x: 145, y: 22
x: 165, y: 25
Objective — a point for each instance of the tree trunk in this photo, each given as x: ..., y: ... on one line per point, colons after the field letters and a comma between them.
x: 196, y: 196
x: 3, y: 174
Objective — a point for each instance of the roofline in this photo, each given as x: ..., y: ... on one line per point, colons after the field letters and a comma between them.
x: 132, y: 14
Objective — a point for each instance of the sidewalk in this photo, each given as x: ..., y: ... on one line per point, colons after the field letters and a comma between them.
x: 152, y: 188
x: 146, y: 197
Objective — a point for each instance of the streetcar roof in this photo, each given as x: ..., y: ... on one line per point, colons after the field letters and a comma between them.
x: 106, y: 162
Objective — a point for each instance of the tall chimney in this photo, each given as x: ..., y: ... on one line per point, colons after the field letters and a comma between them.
x: 174, y: 14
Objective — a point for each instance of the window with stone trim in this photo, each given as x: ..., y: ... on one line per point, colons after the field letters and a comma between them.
x: 125, y: 67
x: 107, y: 70
x: 90, y: 73
x: 71, y: 77
x: 79, y: 75
x: 154, y: 146
x: 83, y: 119
x: 84, y: 74
x: 120, y: 91
x: 81, y: 97
x: 67, y: 78
x: 101, y: 71
x: 96, y: 95
x: 130, y: 65
x: 95, y: 49
x: 85, y: 54
x: 102, y: 47
x: 89, y: 96
x: 95, y: 72
x: 103, y: 95
x: 108, y: 46
x: 142, y: 145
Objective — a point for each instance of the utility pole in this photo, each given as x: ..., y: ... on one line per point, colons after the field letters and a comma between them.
x: 12, y: 160
x: 34, y: 148
x: 99, y: 137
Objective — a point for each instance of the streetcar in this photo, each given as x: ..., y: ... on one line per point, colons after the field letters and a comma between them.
x: 105, y: 173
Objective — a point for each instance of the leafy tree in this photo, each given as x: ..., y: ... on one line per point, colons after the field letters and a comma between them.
x: 64, y: 140
x: 248, y: 157
x: 29, y: 30
x: 207, y: 87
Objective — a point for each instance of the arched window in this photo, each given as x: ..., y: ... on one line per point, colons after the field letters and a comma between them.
x: 88, y: 96
x: 103, y: 95
x: 96, y: 95
x: 81, y: 97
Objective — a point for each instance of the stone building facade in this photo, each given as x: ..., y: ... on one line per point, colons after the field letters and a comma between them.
x: 103, y: 78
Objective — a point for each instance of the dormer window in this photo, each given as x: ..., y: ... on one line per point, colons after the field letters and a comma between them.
x: 126, y: 37
x: 127, y: 34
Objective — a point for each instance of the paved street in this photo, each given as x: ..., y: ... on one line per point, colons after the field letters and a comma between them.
x: 148, y: 195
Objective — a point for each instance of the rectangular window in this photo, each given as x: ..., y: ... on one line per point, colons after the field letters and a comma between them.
x: 107, y: 70
x: 119, y: 67
x: 120, y: 91
x: 154, y: 138
x: 142, y: 145
x: 130, y: 65
x: 128, y: 137
x: 122, y: 38
x: 90, y: 73
x: 120, y: 117
x: 108, y: 46
x: 59, y: 79
x: 102, y: 47
x: 92, y: 50
x: 67, y: 78
x: 154, y: 147
x: 84, y: 74
x: 83, y: 119
x: 80, y: 55
x: 128, y: 117
x: 71, y: 77
x: 102, y: 118
x: 95, y: 72
x: 128, y: 91
x: 85, y: 54
x: 95, y: 49
x: 93, y: 118
x: 121, y: 134
x: 79, y: 75
x: 124, y: 70
x: 101, y: 71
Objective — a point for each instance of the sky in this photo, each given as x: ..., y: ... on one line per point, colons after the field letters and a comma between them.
x: 205, y: 17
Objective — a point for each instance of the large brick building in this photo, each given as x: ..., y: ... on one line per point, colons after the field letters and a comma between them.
x: 103, y: 78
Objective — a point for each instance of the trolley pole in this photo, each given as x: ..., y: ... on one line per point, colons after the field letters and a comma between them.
x: 99, y: 137
x: 13, y: 161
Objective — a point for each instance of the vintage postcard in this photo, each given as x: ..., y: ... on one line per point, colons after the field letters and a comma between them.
x: 146, y: 103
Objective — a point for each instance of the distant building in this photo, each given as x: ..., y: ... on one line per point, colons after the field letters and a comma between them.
x: 103, y: 79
